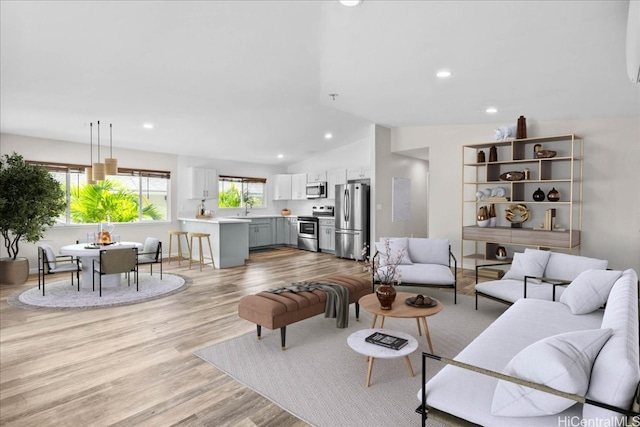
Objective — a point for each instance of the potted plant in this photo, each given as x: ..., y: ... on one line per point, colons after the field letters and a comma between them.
x: 30, y: 201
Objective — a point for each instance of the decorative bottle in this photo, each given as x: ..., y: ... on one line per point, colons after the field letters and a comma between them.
x: 538, y: 195
x: 521, y: 129
x: 553, y: 195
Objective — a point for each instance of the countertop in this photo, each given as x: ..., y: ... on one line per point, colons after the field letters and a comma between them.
x: 221, y: 220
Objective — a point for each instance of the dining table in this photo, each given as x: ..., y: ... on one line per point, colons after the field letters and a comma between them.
x: 88, y: 252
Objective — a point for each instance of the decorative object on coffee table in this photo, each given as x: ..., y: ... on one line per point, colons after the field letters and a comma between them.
x: 538, y: 195
x: 553, y: 195
x: 386, y: 294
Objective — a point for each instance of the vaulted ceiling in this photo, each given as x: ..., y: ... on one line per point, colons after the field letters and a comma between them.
x: 247, y: 80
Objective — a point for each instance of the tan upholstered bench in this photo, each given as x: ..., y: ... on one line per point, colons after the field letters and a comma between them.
x: 279, y: 310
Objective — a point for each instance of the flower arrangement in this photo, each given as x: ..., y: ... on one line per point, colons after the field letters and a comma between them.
x: 384, y: 264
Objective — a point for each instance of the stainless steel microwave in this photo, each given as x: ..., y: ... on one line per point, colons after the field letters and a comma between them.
x: 316, y: 190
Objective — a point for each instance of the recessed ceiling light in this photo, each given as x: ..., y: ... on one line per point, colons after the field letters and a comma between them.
x: 280, y: 156
x: 444, y: 74
x: 491, y: 110
x: 350, y: 2
x: 328, y: 135
x: 148, y: 126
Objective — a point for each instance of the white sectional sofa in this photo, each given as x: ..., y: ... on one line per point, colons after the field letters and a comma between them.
x: 427, y: 262
x: 570, y: 345
x: 536, y: 274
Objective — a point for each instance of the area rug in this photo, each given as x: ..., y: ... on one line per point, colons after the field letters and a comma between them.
x: 321, y: 380
x: 60, y: 295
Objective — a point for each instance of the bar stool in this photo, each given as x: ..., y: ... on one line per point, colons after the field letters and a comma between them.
x: 178, y: 233
x: 200, y: 236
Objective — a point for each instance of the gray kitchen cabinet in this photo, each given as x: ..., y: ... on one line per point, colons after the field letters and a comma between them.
x: 327, y: 235
x: 291, y: 231
x: 280, y: 225
x: 260, y: 233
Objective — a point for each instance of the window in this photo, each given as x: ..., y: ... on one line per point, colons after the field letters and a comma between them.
x: 134, y: 195
x: 241, y: 191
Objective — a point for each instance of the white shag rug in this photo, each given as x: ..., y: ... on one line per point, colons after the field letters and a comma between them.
x: 61, y: 295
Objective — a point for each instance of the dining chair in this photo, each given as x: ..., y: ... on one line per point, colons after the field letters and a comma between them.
x: 116, y: 261
x: 50, y: 263
x: 151, y: 254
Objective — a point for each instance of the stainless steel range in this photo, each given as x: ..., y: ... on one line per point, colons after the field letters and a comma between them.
x: 308, y: 227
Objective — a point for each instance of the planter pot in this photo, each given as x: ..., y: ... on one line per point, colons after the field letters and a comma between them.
x: 14, y: 272
x: 386, y: 295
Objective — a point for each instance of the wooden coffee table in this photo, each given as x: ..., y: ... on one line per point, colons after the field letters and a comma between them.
x: 400, y: 310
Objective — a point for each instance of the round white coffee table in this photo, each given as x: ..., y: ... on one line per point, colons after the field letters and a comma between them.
x: 357, y: 342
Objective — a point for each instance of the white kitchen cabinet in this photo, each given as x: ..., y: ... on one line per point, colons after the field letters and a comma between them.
x: 327, y: 235
x: 317, y: 176
x: 282, y: 187
x: 260, y: 233
x: 299, y: 186
x: 335, y: 177
x: 203, y: 183
x: 359, y: 173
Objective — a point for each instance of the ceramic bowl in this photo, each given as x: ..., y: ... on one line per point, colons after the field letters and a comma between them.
x: 483, y: 223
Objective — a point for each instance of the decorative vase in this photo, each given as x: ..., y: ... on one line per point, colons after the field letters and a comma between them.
x: 553, y: 195
x: 501, y: 253
x: 493, y: 154
x: 14, y: 271
x: 483, y: 218
x: 492, y: 216
x: 481, y: 158
x: 386, y: 294
x: 538, y: 195
x: 521, y: 129
x: 536, y: 148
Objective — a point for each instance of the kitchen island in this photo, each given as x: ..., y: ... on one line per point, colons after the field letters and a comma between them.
x: 229, y: 238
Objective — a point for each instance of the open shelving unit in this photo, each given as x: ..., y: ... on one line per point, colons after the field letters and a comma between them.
x: 562, y: 172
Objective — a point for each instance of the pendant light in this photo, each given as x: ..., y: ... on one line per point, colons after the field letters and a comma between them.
x: 88, y: 171
x: 98, y: 168
x: 111, y: 164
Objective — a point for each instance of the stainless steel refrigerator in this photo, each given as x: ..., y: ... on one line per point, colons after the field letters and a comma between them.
x: 352, y: 220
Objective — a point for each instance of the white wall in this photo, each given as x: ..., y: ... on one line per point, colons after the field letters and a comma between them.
x: 611, y: 208
x: 388, y: 166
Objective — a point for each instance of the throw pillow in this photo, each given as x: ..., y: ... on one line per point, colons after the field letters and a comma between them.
x: 390, y: 256
x: 530, y: 263
x: 562, y: 362
x: 589, y: 290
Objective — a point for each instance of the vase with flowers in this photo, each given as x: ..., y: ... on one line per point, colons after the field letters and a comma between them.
x: 383, y: 266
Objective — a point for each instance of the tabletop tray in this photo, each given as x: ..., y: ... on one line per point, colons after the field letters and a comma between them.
x: 411, y: 301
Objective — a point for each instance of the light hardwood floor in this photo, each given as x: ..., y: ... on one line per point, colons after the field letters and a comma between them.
x: 134, y: 365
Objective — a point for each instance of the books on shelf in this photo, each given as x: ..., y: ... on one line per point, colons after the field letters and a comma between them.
x: 385, y: 340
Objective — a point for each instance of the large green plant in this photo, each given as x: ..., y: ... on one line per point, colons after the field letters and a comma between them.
x: 107, y: 200
x: 30, y: 201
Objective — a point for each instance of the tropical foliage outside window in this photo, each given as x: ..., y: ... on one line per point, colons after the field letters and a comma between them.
x: 130, y: 196
x: 239, y: 192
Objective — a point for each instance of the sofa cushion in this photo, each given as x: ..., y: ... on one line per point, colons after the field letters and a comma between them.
x: 616, y: 371
x: 568, y: 267
x: 429, y: 250
x: 391, y: 253
x: 512, y: 290
x: 529, y: 263
x: 566, y: 366
x: 589, y: 291
x: 426, y: 274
